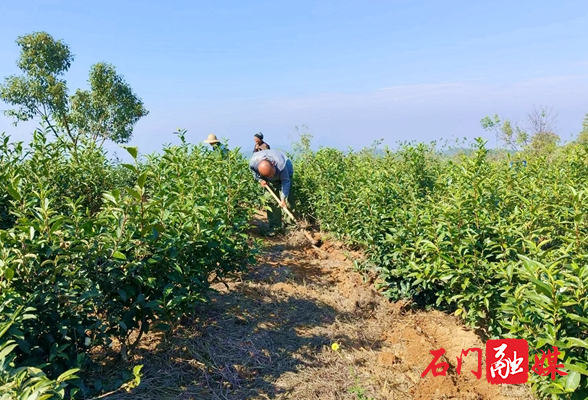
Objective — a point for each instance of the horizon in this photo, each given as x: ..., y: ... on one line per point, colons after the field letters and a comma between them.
x: 353, y: 73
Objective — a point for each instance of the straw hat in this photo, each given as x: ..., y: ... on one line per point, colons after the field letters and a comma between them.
x: 211, y: 139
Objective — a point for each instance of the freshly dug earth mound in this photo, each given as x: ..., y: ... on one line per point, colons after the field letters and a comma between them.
x: 269, y: 335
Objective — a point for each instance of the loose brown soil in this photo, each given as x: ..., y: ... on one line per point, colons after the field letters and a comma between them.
x: 268, y: 335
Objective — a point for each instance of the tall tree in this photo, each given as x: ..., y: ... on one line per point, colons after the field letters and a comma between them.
x: 40, y: 92
x: 108, y: 111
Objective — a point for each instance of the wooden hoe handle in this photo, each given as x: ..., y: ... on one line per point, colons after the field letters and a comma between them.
x: 278, y: 200
x: 313, y: 242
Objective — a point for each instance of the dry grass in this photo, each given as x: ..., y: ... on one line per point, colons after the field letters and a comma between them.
x: 268, y: 335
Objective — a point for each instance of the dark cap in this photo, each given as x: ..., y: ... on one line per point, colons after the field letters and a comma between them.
x: 259, y: 135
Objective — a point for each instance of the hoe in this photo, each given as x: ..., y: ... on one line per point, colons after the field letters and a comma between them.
x: 314, y: 242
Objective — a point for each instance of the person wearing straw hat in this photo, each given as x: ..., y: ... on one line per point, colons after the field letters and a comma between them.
x: 259, y: 143
x: 216, y: 144
x: 274, y: 168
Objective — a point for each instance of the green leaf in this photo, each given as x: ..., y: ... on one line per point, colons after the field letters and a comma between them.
x: 134, y: 193
x: 9, y: 273
x: 574, y: 342
x: 14, y: 193
x: 7, y: 350
x: 137, y: 374
x: 109, y: 197
x: 572, y: 381
x: 542, y: 287
x: 131, y: 167
x: 119, y: 256
x: 576, y: 368
x: 4, y: 327
x: 162, y: 327
x: 142, y: 179
x: 133, y: 151
x: 578, y: 318
x: 541, y: 342
x: 69, y: 374
x: 159, y: 228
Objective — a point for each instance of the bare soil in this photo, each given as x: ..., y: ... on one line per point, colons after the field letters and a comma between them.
x: 268, y: 334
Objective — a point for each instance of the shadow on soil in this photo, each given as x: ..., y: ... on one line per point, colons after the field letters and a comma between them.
x: 245, y: 338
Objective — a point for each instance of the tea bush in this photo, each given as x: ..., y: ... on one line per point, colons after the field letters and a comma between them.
x: 500, y: 241
x: 28, y: 383
x: 96, y: 251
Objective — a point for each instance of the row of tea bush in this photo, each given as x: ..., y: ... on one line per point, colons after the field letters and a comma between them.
x: 94, y: 251
x: 501, y: 241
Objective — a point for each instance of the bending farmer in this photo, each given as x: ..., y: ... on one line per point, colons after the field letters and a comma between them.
x: 274, y: 168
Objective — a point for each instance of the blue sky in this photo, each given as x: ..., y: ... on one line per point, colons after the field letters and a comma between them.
x: 352, y: 71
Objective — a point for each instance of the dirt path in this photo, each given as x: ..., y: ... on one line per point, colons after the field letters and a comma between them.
x: 269, y: 334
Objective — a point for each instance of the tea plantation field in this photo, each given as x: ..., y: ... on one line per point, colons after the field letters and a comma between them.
x: 500, y: 241
x: 95, y: 251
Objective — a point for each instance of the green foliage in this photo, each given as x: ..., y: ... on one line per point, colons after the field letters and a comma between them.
x: 537, y: 136
x: 360, y: 393
x: 548, y: 308
x: 583, y: 135
x: 40, y: 91
x: 96, y: 253
x: 513, y: 136
x: 544, y: 142
x: 23, y: 383
x: 500, y: 242
x: 109, y: 110
x: 358, y: 389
